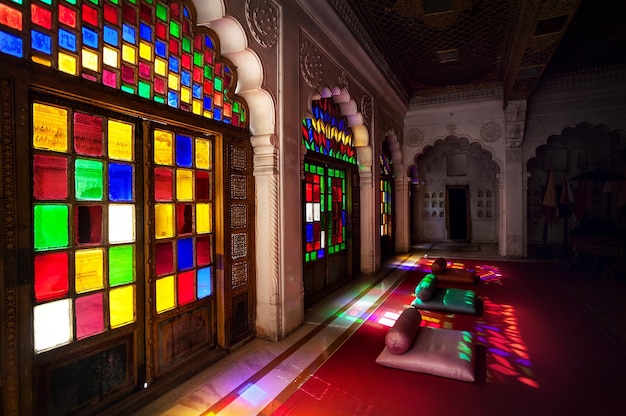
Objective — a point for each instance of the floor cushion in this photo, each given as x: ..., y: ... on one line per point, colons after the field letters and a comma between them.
x: 451, y: 300
x: 441, y: 352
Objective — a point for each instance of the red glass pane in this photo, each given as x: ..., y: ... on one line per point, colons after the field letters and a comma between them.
x: 159, y: 86
x: 88, y: 224
x: 10, y: 17
x: 208, y: 87
x: 198, y: 76
x: 174, y: 47
x: 88, y: 134
x: 186, y: 27
x: 90, y: 15
x: 175, y: 10
x: 67, y: 16
x: 89, y: 315
x: 164, y: 258
x: 309, y: 192
x: 146, y: 13
x: 145, y: 71
x: 218, y: 69
x: 184, y: 219
x: 186, y: 62
x: 49, y: 177
x: 316, y: 193
x: 186, y: 287
x: 130, y: 14
x: 128, y: 74
x: 203, y: 251
x: 161, y: 30
x: 197, y: 42
x: 41, y: 16
x: 163, y: 184
x: 208, y: 57
x: 51, y: 276
x: 109, y: 78
x: 203, y: 185
x: 111, y: 14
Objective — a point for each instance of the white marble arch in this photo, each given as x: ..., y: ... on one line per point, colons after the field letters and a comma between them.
x: 401, y: 194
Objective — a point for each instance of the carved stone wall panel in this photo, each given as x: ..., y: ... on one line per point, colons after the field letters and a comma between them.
x: 262, y: 19
x: 311, y: 67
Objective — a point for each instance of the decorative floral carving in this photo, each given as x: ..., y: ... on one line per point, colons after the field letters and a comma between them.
x: 414, y: 137
x: 311, y: 64
x: 491, y: 131
x: 366, y: 108
x: 342, y: 81
x: 262, y: 19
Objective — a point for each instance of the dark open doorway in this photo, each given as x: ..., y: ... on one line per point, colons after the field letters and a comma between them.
x: 458, y: 215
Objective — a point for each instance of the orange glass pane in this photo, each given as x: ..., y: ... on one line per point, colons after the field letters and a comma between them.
x: 163, y: 145
x: 163, y: 220
x: 121, y: 140
x: 10, y: 17
x: 50, y: 128
x: 89, y: 270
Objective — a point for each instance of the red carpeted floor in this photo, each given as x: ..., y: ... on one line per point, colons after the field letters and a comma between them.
x: 538, y: 353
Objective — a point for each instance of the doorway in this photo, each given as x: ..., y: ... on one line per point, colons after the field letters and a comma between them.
x: 458, y: 214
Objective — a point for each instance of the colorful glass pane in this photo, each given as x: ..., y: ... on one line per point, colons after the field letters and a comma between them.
x: 52, y: 324
x: 89, y: 269
x: 51, y: 276
x: 186, y: 289
x: 88, y: 134
x: 51, y: 226
x: 165, y: 294
x: 88, y: 224
x: 121, y: 265
x: 89, y: 315
x: 203, y: 218
x: 121, y: 223
x: 184, y: 184
x: 88, y: 179
x: 122, y: 305
x: 50, y: 128
x: 120, y: 182
x: 49, y: 177
x: 205, y: 283
x: 164, y: 220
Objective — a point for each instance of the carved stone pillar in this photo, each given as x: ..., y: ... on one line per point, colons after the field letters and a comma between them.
x: 402, y: 218
x: 266, y: 173
x: 369, y: 231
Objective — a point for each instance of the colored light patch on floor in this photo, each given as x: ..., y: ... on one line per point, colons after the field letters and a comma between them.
x: 489, y: 274
x: 507, y: 355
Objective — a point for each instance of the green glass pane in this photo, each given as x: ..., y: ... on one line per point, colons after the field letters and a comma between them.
x: 51, y: 226
x: 93, y: 1
x: 88, y: 180
x: 144, y: 89
x: 320, y: 170
x: 161, y: 11
x: 128, y: 89
x: 307, y: 257
x: 187, y: 45
x: 208, y: 72
x: 235, y: 107
x: 174, y: 29
x: 69, y: 1
x: 159, y: 100
x: 197, y: 59
x: 47, y: 1
x: 121, y: 265
x: 131, y: 1
x: 115, y: 1
x: 314, y: 255
x: 218, y: 84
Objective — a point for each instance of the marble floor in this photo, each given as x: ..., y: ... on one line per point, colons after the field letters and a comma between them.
x: 252, y: 379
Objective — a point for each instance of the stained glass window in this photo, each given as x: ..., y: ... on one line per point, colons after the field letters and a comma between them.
x: 83, y: 224
x: 325, y: 211
x: 386, y: 181
x: 183, y: 229
x: 149, y: 48
x: 327, y: 132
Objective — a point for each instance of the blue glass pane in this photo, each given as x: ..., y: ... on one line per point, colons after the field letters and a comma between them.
x: 172, y: 99
x: 40, y: 42
x: 185, y: 11
x: 129, y: 34
x: 185, y: 78
x: 67, y: 40
x: 208, y: 103
x: 90, y: 38
x: 197, y: 91
x: 208, y: 42
x: 160, y: 48
x: 184, y: 151
x: 185, y: 253
x: 217, y: 114
x: 120, y: 182
x: 145, y: 32
x: 111, y: 36
x: 174, y: 67
x: 309, y: 232
x: 11, y: 45
x: 205, y: 286
x: 320, y: 254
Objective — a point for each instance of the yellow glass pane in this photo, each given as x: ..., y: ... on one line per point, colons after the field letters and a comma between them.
x: 50, y: 128
x: 90, y: 60
x: 165, y: 294
x: 110, y: 57
x: 160, y: 67
x: 129, y: 54
x: 145, y: 51
x: 208, y: 114
x: 203, y: 153
x: 173, y: 82
x: 41, y: 61
x: 120, y: 140
x: 184, y: 184
x: 197, y: 107
x: 203, y: 218
x: 89, y: 270
x: 163, y: 142
x: 67, y: 63
x: 185, y: 95
x: 122, y: 305
x: 163, y: 220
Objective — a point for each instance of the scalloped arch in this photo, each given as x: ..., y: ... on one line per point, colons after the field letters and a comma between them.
x: 234, y: 46
x: 431, y: 146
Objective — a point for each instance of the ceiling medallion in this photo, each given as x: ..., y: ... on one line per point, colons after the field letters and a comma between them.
x: 439, y: 19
